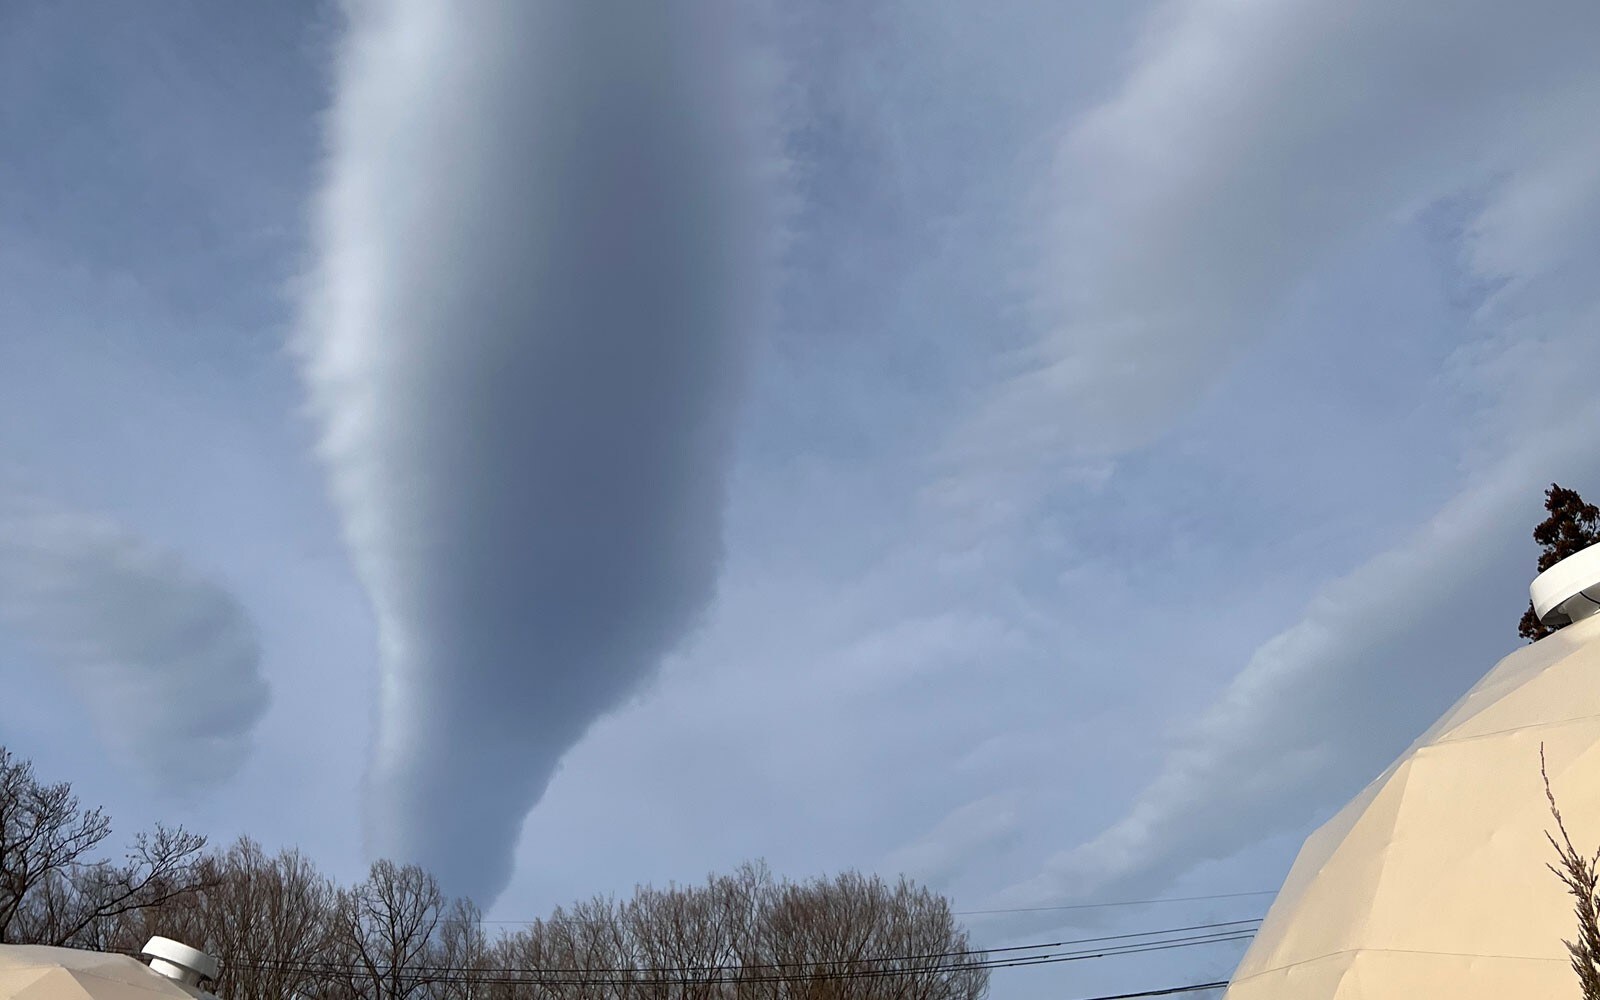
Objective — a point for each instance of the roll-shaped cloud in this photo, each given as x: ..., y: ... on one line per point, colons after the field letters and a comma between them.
x: 539, y: 244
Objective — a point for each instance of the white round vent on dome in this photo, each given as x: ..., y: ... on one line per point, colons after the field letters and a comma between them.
x: 1569, y: 591
x: 176, y: 960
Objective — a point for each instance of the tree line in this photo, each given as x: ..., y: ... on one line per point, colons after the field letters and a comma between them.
x: 284, y: 930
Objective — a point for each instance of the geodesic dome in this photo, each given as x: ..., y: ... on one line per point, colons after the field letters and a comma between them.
x: 36, y: 972
x: 1432, y: 881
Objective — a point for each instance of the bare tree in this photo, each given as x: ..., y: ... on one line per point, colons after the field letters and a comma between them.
x: 461, y: 950
x: 856, y: 936
x: 1579, y: 874
x: 683, y: 930
x: 586, y: 953
x: 746, y: 936
x: 383, y: 928
x: 268, y: 917
x: 52, y: 891
x: 43, y: 832
x: 283, y: 931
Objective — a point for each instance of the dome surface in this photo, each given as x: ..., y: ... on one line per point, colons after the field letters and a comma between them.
x: 1432, y: 881
x: 36, y: 972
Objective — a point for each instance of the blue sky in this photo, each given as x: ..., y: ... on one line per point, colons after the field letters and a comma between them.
x: 1058, y: 451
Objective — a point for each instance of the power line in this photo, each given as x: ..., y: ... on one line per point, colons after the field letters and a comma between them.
x: 1164, y: 934
x: 1169, y: 991
x: 1019, y: 909
x: 547, y: 977
x: 576, y: 977
x: 537, y: 980
x: 542, y: 980
x: 1122, y: 902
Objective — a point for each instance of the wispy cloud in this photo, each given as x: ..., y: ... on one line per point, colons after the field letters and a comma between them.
x: 1322, y: 706
x: 950, y: 846
x: 1247, y: 147
x: 165, y: 659
x: 539, y: 252
x: 1249, y: 144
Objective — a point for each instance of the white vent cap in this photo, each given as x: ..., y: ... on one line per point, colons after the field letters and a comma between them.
x: 176, y: 960
x: 1569, y: 591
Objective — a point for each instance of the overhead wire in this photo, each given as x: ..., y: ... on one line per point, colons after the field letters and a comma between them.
x: 663, y: 976
x: 1037, y: 909
x: 1166, y: 992
x: 1221, y: 927
x: 536, y: 979
x: 1120, y: 902
x: 1232, y: 925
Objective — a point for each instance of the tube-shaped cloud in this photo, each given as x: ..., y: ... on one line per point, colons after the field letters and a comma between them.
x: 535, y: 257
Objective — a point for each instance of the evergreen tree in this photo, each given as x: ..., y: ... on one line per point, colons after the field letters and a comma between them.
x: 1571, y: 527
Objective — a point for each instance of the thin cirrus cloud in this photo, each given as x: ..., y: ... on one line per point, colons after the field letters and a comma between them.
x: 540, y: 246
x: 1320, y: 707
x: 1279, y: 132
x: 165, y: 659
x: 1247, y: 146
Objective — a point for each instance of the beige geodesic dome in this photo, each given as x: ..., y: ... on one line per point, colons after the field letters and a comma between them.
x: 1432, y: 882
x: 37, y: 972
x: 29, y: 972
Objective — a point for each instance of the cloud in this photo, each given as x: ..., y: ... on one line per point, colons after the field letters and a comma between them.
x: 950, y: 846
x: 540, y: 251
x: 1250, y: 143
x: 1323, y: 705
x: 167, y: 661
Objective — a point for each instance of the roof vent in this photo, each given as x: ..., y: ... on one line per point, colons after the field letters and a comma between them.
x: 176, y: 960
x: 1569, y: 591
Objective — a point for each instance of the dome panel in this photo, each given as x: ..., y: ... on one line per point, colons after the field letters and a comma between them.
x: 1433, y: 881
